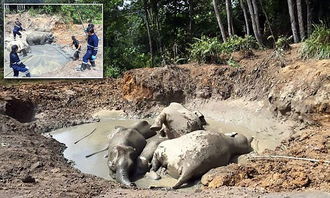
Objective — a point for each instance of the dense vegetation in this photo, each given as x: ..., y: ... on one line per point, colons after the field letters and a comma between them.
x: 318, y: 44
x: 71, y: 14
x: 148, y: 33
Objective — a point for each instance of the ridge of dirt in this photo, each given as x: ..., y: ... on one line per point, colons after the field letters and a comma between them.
x: 299, y: 91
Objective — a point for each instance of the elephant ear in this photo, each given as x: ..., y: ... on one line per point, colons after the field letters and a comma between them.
x: 144, y: 128
x: 122, y: 149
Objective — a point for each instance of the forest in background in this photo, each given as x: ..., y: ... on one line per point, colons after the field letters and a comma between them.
x: 149, y: 33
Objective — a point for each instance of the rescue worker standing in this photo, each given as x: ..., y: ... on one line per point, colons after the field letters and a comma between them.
x: 16, y: 64
x: 17, y: 28
x: 92, y: 47
x: 77, y: 45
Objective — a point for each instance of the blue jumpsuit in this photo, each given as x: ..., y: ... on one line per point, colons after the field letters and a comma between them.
x: 17, y: 65
x: 16, y: 30
x: 92, y: 46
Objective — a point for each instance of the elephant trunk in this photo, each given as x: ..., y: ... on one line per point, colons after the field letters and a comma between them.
x: 122, y: 177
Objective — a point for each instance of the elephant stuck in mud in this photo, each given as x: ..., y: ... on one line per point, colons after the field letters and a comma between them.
x: 193, y: 154
x: 39, y: 38
x: 125, y: 145
x: 143, y: 164
x: 175, y: 121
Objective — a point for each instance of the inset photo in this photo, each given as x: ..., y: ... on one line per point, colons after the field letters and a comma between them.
x: 53, y: 41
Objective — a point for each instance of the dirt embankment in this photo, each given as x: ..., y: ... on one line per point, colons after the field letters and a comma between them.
x: 298, y: 91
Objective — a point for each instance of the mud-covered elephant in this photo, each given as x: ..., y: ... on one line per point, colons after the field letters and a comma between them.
x: 39, y: 38
x: 143, y: 161
x: 195, y: 153
x: 125, y: 145
x: 175, y: 120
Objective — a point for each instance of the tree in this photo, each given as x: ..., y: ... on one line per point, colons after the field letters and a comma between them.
x: 217, y: 14
x: 147, y: 21
x: 293, y: 21
x: 309, y: 17
x: 254, y: 17
x: 246, y: 20
x: 300, y: 20
x: 229, y: 18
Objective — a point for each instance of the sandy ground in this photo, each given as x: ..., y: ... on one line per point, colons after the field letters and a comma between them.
x: 33, y: 166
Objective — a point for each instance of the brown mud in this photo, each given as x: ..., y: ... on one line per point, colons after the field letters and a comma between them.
x: 32, y: 165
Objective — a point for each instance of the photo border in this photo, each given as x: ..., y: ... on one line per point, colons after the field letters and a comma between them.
x: 50, y: 78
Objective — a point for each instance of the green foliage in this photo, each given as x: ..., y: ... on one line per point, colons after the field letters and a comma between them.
x: 88, y: 13
x: 283, y: 43
x: 317, y: 45
x: 71, y: 13
x: 205, y: 50
x: 112, y: 71
x: 236, y: 43
x: 209, y: 50
x: 232, y: 63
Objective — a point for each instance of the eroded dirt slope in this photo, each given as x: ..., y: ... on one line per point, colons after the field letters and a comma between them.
x: 299, y: 91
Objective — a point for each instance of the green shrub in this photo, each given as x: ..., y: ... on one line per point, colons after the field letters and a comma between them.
x: 205, y: 50
x: 112, y: 72
x: 283, y: 43
x: 236, y: 43
x: 317, y: 45
x: 209, y: 50
x: 233, y: 63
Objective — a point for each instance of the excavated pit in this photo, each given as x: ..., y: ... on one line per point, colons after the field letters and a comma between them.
x: 21, y: 110
x: 222, y: 117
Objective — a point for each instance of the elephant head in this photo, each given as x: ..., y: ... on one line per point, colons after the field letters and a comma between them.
x: 240, y: 144
x: 120, y: 164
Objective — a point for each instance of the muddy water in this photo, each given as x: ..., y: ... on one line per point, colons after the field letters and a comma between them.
x: 96, y: 164
x: 46, y: 58
x: 42, y: 59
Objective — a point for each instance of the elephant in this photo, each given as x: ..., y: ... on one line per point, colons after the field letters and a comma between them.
x: 143, y: 161
x: 175, y: 120
x: 195, y: 153
x: 125, y: 145
x: 39, y: 38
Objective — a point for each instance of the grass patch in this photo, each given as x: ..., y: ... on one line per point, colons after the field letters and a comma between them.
x: 317, y: 45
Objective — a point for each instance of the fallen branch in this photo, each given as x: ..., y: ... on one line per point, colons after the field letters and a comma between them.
x: 85, y: 136
x: 87, y: 156
x: 288, y: 157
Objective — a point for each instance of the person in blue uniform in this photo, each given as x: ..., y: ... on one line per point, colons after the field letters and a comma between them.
x: 77, y: 45
x: 92, y: 47
x: 17, y: 29
x: 16, y: 64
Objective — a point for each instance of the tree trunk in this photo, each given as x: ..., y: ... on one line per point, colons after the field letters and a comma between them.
x: 300, y: 20
x: 148, y: 31
x: 217, y: 14
x: 247, y: 27
x: 309, y: 17
x: 293, y: 22
x: 229, y: 18
x: 267, y: 20
x: 254, y: 25
x: 256, y: 15
x: 190, y: 16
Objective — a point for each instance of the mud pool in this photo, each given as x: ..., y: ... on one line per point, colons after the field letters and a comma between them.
x: 42, y: 59
x: 96, y: 165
